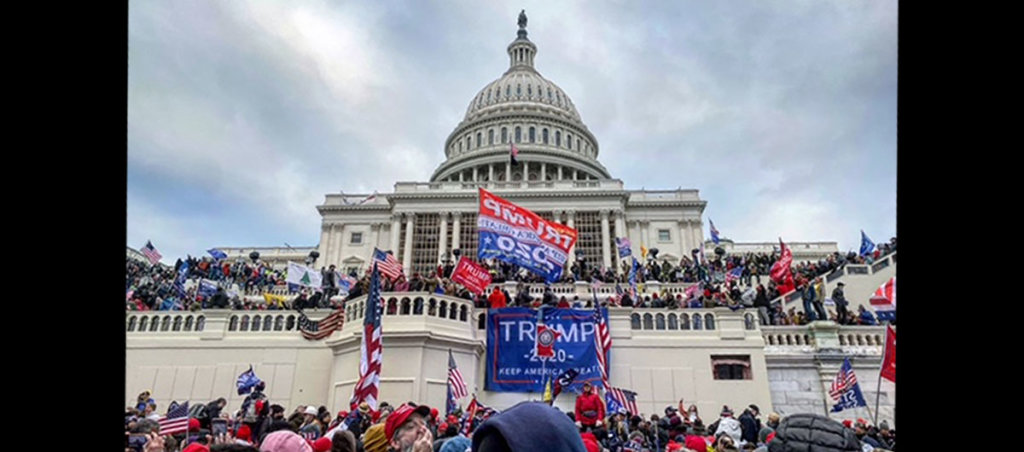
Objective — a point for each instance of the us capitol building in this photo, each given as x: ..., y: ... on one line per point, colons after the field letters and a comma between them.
x: 709, y: 357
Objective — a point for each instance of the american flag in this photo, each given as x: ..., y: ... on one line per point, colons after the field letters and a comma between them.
x: 370, y: 350
x: 624, y: 398
x: 319, y: 329
x: 176, y: 420
x: 455, y: 378
x: 603, y: 341
x: 844, y: 380
x: 470, y: 414
x: 733, y: 274
x: 389, y: 265
x: 884, y: 301
x: 151, y: 253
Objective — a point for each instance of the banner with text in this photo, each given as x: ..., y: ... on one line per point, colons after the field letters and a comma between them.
x: 471, y: 275
x: 516, y: 235
x: 512, y: 361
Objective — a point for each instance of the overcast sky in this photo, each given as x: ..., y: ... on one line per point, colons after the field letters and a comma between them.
x: 243, y: 115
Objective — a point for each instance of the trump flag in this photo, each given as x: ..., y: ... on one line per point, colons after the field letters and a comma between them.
x: 518, y: 236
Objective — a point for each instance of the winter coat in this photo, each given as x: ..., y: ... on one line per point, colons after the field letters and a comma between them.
x: 589, y: 403
x: 729, y: 426
x: 805, y: 431
x: 750, y: 427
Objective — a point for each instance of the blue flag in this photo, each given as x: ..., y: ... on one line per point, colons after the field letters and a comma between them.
x: 625, y: 248
x: 632, y: 277
x: 246, y: 381
x: 845, y: 390
x: 217, y: 254
x: 714, y: 232
x: 866, y: 245
x: 207, y: 288
x: 179, y: 282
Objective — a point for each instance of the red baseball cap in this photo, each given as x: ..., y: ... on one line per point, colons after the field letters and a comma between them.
x: 399, y: 417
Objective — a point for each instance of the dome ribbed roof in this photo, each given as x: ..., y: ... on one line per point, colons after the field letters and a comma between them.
x: 518, y: 86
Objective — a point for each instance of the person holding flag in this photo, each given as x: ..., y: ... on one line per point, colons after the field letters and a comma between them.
x: 845, y: 390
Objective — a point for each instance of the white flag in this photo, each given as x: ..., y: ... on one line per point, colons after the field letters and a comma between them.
x: 303, y: 276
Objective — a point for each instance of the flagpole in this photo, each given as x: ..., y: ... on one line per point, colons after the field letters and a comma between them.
x: 878, y: 389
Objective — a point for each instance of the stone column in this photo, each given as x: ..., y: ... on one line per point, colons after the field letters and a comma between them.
x: 475, y: 175
x: 559, y: 172
x: 508, y: 171
x: 543, y: 171
x: 620, y: 231
x: 684, y: 239
x: 324, y: 237
x: 396, y: 228
x: 570, y: 216
x: 339, y: 243
x: 605, y: 239
x: 410, y: 223
x: 644, y: 239
x: 697, y: 230
x: 558, y: 216
x: 374, y: 234
x: 442, y: 241
x: 457, y: 228
x: 490, y: 172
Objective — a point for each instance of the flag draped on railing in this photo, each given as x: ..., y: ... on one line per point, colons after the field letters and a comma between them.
x: 315, y: 330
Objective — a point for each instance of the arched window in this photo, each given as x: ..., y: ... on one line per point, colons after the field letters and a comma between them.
x: 696, y: 322
x: 748, y: 321
x: 406, y: 306
x: 143, y: 321
x: 568, y: 140
x: 481, y: 321
x: 177, y: 324
x: 256, y: 323
x: 519, y: 135
x: 166, y: 324
x: 578, y: 145
x: 268, y: 323
x: 478, y: 140
x: 504, y: 135
x: 529, y: 90
x: 442, y: 312
x: 519, y: 89
x: 634, y: 321
x: 771, y: 340
x: 807, y: 340
x: 544, y: 136
x: 673, y: 322
x: 684, y: 322
x: 245, y: 323
x: 659, y: 322
x: 842, y: 340
x: 798, y: 342
x: 392, y: 306
x: 432, y: 307
x: 417, y: 306
x: 508, y: 90
x: 489, y: 92
x: 201, y: 323
x: 463, y: 313
x: 131, y: 323
x: 549, y: 94
x: 289, y: 324
x: 709, y: 322
x: 533, y: 135
x: 279, y: 323
x: 188, y: 323
x: 460, y: 145
x: 490, y: 136
x: 558, y: 138
x: 469, y: 142
x: 648, y: 322
x: 453, y: 312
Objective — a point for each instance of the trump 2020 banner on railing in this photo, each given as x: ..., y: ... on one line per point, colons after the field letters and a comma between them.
x: 471, y: 275
x: 512, y: 361
x: 515, y: 235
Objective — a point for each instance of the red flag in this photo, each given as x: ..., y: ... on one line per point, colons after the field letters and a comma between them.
x: 781, y: 272
x: 546, y: 337
x: 889, y: 360
x: 471, y: 275
x: 470, y: 414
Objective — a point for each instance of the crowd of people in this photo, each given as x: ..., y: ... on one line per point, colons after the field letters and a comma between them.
x: 154, y: 287
x: 260, y: 424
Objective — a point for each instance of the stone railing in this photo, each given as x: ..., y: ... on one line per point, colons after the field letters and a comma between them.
x: 819, y: 336
x: 414, y: 304
x: 584, y: 291
x: 418, y: 187
x: 848, y: 269
x: 164, y: 321
x: 683, y: 319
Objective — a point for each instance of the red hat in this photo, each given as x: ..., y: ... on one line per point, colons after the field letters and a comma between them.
x: 196, y: 447
x: 322, y: 445
x: 696, y: 443
x: 193, y: 425
x: 343, y: 413
x: 452, y: 419
x: 244, y: 432
x: 433, y: 413
x: 399, y: 417
x: 848, y: 423
x: 441, y: 428
x: 590, y: 442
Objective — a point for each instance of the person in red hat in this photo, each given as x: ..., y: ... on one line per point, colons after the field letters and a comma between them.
x: 322, y: 444
x: 406, y: 429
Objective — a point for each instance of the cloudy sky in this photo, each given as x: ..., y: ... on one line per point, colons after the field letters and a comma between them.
x: 243, y: 115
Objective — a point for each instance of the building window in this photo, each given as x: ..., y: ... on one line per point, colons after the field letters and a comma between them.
x: 490, y: 136
x: 664, y: 235
x: 504, y: 135
x: 558, y: 138
x: 478, y: 140
x: 529, y: 90
x: 519, y: 90
x: 578, y: 145
x: 460, y: 145
x: 356, y: 239
x: 544, y: 136
x: 533, y: 135
x: 568, y: 140
x: 731, y: 367
x: 519, y: 135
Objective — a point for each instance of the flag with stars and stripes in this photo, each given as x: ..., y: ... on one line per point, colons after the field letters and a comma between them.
x: 151, y: 253
x: 370, y: 349
x: 315, y: 330
x: 387, y: 263
x: 175, y: 422
x: 845, y: 390
x: 455, y: 381
x: 621, y: 398
x: 603, y: 342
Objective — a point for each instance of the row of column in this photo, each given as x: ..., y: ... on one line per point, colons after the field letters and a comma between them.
x: 574, y: 174
x: 689, y: 233
x: 332, y: 239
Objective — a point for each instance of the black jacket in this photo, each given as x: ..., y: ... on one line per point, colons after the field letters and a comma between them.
x: 804, y: 431
x: 750, y: 426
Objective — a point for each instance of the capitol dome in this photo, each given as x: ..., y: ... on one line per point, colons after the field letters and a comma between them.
x: 530, y: 110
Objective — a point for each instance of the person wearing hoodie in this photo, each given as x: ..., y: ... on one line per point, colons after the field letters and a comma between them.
x: 728, y: 425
